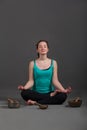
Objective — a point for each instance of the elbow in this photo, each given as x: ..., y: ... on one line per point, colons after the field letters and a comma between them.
x: 55, y: 82
x: 31, y: 82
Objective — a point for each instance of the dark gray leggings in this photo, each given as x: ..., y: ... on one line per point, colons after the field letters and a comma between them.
x: 59, y: 98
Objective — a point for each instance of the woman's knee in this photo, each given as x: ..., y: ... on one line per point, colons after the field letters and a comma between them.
x: 25, y: 94
x: 22, y: 93
x: 62, y: 98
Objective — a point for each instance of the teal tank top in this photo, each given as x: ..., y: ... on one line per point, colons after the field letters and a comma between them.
x: 43, y: 79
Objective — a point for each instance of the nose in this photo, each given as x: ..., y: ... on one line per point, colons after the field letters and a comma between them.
x: 42, y: 47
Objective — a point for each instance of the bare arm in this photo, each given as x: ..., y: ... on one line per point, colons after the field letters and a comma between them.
x: 30, y: 82
x: 56, y: 82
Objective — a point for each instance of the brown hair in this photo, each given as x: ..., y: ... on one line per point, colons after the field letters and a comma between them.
x: 39, y: 42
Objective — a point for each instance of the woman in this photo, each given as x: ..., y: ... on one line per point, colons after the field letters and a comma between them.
x: 43, y: 85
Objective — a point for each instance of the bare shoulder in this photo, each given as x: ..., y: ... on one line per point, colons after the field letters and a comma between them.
x: 55, y: 62
x: 31, y: 64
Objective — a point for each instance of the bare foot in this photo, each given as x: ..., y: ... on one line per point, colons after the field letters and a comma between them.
x: 30, y: 102
x: 53, y: 93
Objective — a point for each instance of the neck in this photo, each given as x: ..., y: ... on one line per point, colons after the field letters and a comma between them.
x: 43, y: 57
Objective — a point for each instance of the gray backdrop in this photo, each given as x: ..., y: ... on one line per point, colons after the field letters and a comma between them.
x: 62, y: 23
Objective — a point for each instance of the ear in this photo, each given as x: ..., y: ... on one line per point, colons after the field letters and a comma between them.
x: 48, y: 50
x: 37, y: 50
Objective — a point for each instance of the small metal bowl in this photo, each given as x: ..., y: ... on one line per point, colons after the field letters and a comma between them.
x: 75, y: 102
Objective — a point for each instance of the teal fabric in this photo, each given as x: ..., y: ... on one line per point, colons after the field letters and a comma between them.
x: 43, y: 79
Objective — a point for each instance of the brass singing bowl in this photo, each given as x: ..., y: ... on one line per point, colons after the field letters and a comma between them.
x: 75, y: 102
x: 41, y: 106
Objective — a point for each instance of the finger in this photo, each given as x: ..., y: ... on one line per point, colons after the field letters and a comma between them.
x: 69, y: 88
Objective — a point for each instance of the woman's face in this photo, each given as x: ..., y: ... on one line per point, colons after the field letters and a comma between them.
x: 42, y: 48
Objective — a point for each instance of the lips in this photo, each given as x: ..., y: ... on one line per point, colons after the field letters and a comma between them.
x: 42, y: 50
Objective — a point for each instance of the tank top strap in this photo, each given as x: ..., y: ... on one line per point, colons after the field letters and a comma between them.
x: 52, y: 62
x: 34, y: 61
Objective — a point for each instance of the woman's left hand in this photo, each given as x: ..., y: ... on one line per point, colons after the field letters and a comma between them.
x: 67, y: 90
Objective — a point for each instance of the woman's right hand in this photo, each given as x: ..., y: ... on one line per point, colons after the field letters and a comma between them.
x: 20, y: 87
